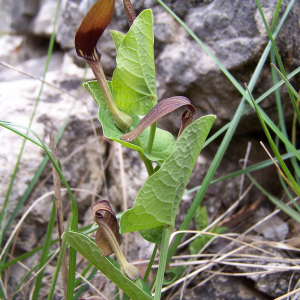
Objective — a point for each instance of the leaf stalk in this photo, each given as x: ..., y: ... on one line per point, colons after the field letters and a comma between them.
x: 162, y: 261
x: 151, y: 137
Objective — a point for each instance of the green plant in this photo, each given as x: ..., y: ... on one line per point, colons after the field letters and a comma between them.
x: 133, y: 89
x: 130, y: 94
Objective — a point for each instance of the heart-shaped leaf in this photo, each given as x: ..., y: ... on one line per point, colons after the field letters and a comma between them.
x: 134, y: 85
x: 163, y: 142
x: 153, y: 235
x: 157, y: 201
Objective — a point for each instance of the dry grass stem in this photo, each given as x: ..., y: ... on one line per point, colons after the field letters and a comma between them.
x: 217, y: 257
x: 244, y: 167
x: 36, y: 78
x: 22, y: 220
x: 62, y: 162
x: 29, y: 281
x: 288, y: 294
x: 277, y: 167
x: 219, y: 219
x: 7, y: 271
x: 124, y: 193
x: 59, y: 212
x: 91, y: 286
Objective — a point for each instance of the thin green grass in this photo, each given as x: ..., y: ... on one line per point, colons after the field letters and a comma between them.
x: 34, y: 180
x: 292, y: 183
x: 231, y: 127
x: 5, y: 204
x: 46, y: 247
x: 89, y: 278
x: 253, y: 168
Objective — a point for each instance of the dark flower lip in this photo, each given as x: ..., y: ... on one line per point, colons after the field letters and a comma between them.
x: 162, y: 108
x: 105, y: 218
x: 86, y: 38
x: 108, y: 237
x: 91, y: 29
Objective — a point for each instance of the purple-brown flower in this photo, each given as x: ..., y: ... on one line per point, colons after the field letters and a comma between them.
x: 86, y: 38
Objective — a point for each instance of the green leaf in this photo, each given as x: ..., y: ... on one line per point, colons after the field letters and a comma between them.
x: 92, y: 253
x: 157, y: 201
x: 153, y: 235
x: 117, y: 37
x: 134, y: 85
x: 201, y: 218
x: 139, y: 282
x: 163, y: 142
x: 173, y: 274
x: 197, y: 244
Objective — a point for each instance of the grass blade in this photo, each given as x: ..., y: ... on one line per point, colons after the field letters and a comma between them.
x: 285, y: 208
x: 231, y: 129
x: 293, y: 184
x: 278, y: 57
x: 42, y: 165
x: 7, y: 196
x: 44, y: 255
x: 74, y: 223
x: 249, y: 169
x: 84, y: 287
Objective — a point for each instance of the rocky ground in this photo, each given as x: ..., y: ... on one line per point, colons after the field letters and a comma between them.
x: 235, y: 34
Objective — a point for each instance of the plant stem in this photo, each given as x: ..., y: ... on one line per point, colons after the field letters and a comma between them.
x: 146, y: 161
x: 151, y: 137
x: 122, y: 120
x: 162, y: 261
x: 101, y: 79
x: 150, y: 263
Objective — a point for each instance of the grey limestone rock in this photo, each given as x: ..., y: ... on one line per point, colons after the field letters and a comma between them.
x: 223, y: 287
x: 232, y: 30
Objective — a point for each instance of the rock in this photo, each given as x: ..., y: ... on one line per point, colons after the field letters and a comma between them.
x: 223, y: 287
x: 43, y: 22
x: 19, y: 48
x: 184, y: 68
x: 67, y: 23
x: 273, y: 229
x: 9, y: 46
x: 22, y: 14
x: 233, y: 31
x: 34, y: 67
x: 275, y: 284
x: 50, y: 114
